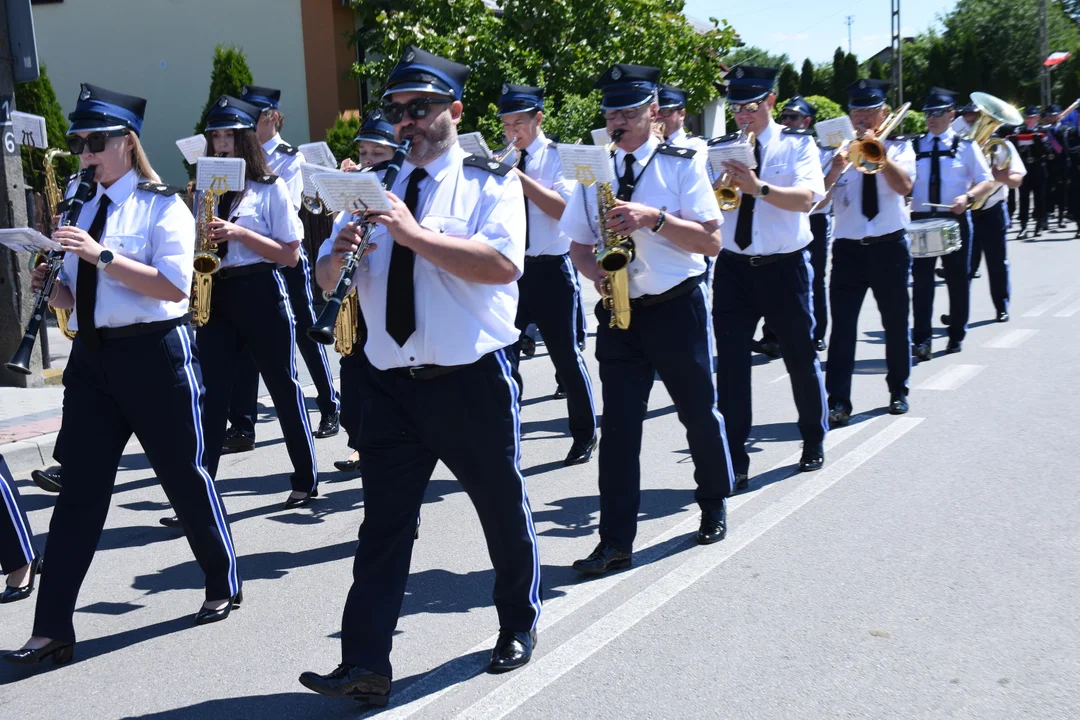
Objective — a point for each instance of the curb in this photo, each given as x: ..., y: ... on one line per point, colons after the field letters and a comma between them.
x: 30, y: 453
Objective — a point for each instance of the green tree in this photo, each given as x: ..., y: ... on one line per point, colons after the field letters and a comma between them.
x: 837, y: 85
x: 756, y: 57
x: 787, y: 84
x: 806, y: 79
x: 39, y: 98
x: 876, y: 70
x: 826, y: 108
x: 340, y: 137
x: 229, y: 75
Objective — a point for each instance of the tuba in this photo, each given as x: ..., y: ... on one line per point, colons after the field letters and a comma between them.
x: 727, y: 195
x: 207, y: 261
x: 53, y: 198
x: 613, y: 257
x: 993, y: 113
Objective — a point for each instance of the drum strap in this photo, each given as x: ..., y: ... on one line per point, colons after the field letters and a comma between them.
x: 922, y: 155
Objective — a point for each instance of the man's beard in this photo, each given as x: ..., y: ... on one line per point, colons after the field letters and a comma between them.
x: 434, y: 141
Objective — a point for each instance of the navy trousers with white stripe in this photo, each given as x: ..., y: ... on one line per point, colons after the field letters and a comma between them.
x: 243, y: 408
x: 989, y: 231
x: 149, y: 385
x: 781, y: 293
x: 469, y: 420
x: 547, y: 297
x: 674, y: 339
x: 957, y: 267
x: 16, y: 540
x: 253, y: 312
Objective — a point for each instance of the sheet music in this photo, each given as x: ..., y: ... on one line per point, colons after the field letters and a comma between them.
x: 27, y: 239
x: 29, y: 129
x: 349, y: 192
x: 474, y: 144
x: 220, y: 175
x: 600, y: 136
x: 587, y: 164
x: 835, y: 132
x: 308, y: 171
x: 320, y: 154
x: 737, y: 152
x: 192, y: 148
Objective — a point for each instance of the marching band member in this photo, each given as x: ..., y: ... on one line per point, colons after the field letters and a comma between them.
x: 375, y: 143
x: 438, y: 294
x: 665, y: 202
x: 764, y: 268
x: 950, y: 170
x: 799, y: 115
x: 870, y: 251
x: 547, y: 293
x: 965, y: 120
x: 672, y: 103
x: 284, y: 160
x: 133, y: 368
x: 18, y: 560
x: 1057, y: 135
x: 988, y: 232
x: 1036, y: 152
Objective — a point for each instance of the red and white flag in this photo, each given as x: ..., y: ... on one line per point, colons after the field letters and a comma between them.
x: 1056, y: 59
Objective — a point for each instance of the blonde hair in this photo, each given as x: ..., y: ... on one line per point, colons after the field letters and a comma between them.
x: 140, y: 162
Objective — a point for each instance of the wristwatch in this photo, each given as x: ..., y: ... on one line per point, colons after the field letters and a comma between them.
x: 104, y: 259
x: 970, y: 199
x: 765, y: 189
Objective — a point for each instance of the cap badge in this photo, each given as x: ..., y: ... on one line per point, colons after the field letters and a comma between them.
x: 223, y: 102
x: 616, y: 73
x: 493, y: 165
x: 862, y: 84
x: 244, y: 90
x: 85, y: 94
x: 739, y: 72
x: 410, y: 56
x: 505, y: 88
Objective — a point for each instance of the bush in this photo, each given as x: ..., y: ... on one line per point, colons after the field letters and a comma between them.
x: 39, y: 98
x: 340, y: 137
x: 826, y: 108
x: 229, y: 75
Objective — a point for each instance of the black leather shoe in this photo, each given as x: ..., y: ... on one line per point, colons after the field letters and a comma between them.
x: 15, y: 594
x: 206, y: 616
x: 560, y: 392
x: 237, y: 442
x: 581, y: 346
x: 293, y: 503
x: 511, y: 651
x: 329, y: 426
x: 813, y: 457
x: 771, y: 348
x: 953, y: 347
x: 528, y: 346
x: 350, y: 681
x: 976, y: 275
x: 61, y: 652
x: 742, y: 482
x: 170, y: 522
x: 347, y: 465
x: 945, y: 319
x: 839, y: 416
x: 580, y: 452
x: 898, y: 404
x: 940, y: 272
x: 713, y: 526
x: 603, y: 559
x: 820, y: 345
x: 47, y: 479
x: 1003, y: 316
x: 922, y: 352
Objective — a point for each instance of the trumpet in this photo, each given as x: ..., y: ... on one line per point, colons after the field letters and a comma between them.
x: 727, y: 195
x: 505, y: 152
x: 993, y: 113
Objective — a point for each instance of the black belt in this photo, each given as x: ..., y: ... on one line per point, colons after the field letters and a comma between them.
x: 129, y: 331
x: 759, y: 260
x: 544, y: 258
x: 875, y: 239
x: 241, y: 271
x: 683, y: 288
x: 426, y: 372
x: 996, y: 207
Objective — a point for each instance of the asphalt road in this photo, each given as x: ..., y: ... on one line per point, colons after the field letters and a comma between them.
x: 930, y: 570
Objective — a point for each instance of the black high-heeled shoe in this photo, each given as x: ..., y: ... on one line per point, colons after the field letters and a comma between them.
x: 206, y: 616
x: 61, y: 652
x: 293, y: 503
x: 14, y: 594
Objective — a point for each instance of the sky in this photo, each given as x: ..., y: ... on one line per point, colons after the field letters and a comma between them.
x: 815, y: 28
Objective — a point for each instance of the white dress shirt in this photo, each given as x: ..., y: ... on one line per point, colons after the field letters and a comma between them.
x: 893, y: 215
x: 787, y: 160
x: 543, y: 165
x: 286, y: 167
x: 681, y: 138
x: 1016, y: 165
x: 151, y: 228
x: 676, y: 184
x: 268, y: 210
x: 958, y: 173
x: 457, y: 321
x: 826, y: 154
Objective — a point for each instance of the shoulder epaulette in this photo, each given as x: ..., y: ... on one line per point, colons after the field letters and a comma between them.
x: 160, y: 189
x: 286, y: 148
x: 483, y: 163
x: 676, y: 151
x: 901, y: 138
x: 267, y: 179
x: 966, y: 140
x: 796, y: 131
x: 724, y: 138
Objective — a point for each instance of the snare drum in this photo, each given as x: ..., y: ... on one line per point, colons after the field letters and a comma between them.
x: 934, y: 237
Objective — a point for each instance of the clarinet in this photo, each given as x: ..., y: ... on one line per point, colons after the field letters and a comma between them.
x: 20, y: 363
x: 322, y: 331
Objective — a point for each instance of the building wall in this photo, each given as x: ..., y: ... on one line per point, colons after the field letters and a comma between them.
x: 162, y: 50
x: 328, y: 62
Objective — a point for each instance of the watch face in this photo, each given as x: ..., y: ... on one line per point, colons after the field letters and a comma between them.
x: 105, y: 257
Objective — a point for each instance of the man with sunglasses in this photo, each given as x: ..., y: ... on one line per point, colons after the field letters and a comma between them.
x: 437, y: 287
x: 672, y: 103
x: 1034, y: 147
x: 764, y: 268
x: 951, y: 171
x: 664, y: 203
x: 870, y: 252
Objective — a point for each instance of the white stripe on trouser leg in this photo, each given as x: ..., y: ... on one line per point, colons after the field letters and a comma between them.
x: 21, y: 530
x: 579, y: 303
x: 534, y: 587
x: 292, y: 373
x: 195, y: 392
x: 318, y: 346
x: 813, y: 326
x: 716, y: 394
x: 577, y: 351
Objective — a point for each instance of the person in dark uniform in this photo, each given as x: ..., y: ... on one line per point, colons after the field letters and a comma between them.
x: 870, y: 252
x: 951, y: 170
x: 1058, y: 169
x: 133, y: 368
x: 989, y: 224
x: 799, y: 115
x: 547, y: 295
x: 18, y: 559
x: 665, y: 204
x: 438, y: 294
x: 1035, y: 151
x: 283, y: 160
x: 764, y: 268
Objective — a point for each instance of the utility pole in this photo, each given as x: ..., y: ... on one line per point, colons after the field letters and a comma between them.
x: 897, y: 54
x: 1044, y: 52
x: 849, y: 20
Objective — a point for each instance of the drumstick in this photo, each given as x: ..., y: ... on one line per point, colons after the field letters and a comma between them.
x: 938, y: 205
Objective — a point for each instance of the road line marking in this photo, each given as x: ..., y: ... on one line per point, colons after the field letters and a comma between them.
x: 1011, y: 339
x: 423, y: 692
x: 1069, y: 311
x: 782, y: 377
x: 1042, y: 307
x: 539, y: 674
x: 951, y: 378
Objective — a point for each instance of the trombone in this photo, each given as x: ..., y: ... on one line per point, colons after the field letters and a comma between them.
x: 727, y: 195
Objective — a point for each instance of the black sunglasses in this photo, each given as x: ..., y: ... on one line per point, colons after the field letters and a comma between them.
x: 418, y: 109
x: 790, y: 116
x: 92, y: 143
x: 938, y: 112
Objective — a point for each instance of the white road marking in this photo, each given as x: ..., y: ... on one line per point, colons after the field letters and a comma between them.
x: 951, y: 377
x: 446, y: 677
x: 1069, y: 311
x: 1011, y: 339
x: 782, y: 377
x: 541, y: 673
x: 1042, y: 307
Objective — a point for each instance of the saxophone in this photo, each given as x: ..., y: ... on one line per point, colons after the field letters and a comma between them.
x: 613, y: 257
x: 207, y: 261
x: 53, y: 197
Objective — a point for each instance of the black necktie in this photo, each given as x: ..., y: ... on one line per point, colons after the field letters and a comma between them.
x: 521, y: 167
x: 745, y: 223
x: 224, y: 207
x: 626, y: 182
x: 935, y: 174
x: 400, y: 295
x: 869, y: 196
x: 86, y: 283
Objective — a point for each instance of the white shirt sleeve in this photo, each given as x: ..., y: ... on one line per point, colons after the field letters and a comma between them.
x: 578, y: 220
x: 502, y: 219
x: 808, y: 169
x: 903, y: 154
x: 976, y: 163
x: 172, y: 238
x: 698, y: 199
x: 1016, y: 165
x: 327, y: 245
x: 285, y: 226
